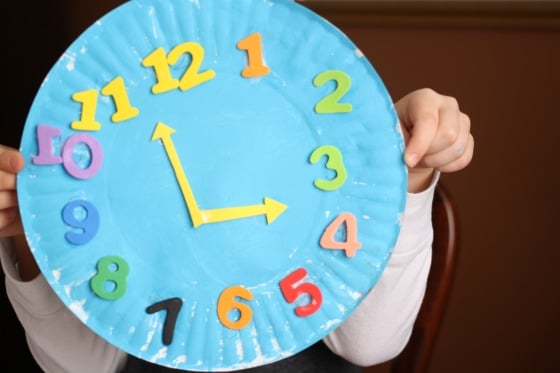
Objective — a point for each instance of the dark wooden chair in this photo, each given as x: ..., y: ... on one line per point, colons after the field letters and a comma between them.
x: 416, y: 356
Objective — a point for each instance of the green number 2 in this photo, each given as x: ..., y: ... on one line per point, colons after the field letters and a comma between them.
x: 331, y: 104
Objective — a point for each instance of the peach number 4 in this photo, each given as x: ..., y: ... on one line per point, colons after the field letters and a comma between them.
x: 351, y: 244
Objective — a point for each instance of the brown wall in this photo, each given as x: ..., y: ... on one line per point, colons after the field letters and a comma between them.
x: 503, y: 64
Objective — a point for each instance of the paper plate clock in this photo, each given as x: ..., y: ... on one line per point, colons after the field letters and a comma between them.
x: 212, y: 185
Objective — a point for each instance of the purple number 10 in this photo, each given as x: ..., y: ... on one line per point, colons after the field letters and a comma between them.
x: 46, y: 156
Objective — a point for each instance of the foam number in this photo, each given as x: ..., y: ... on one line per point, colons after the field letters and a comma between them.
x: 228, y: 302
x: 110, y: 280
x: 255, y: 65
x: 84, y: 218
x: 351, y: 244
x: 334, y: 163
x: 45, y: 150
x: 331, y: 104
x: 171, y: 306
x: 292, y: 288
x: 87, y: 121
x: 115, y: 89
x: 161, y: 64
x: 46, y: 156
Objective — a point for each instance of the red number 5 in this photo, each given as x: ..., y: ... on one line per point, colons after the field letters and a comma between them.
x: 291, y: 290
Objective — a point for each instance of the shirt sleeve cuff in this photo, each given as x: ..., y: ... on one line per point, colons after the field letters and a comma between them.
x: 417, y: 218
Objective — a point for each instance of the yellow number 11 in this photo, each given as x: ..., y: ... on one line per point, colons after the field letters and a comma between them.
x: 123, y: 109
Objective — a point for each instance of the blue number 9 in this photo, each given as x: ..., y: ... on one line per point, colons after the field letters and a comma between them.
x: 83, y: 216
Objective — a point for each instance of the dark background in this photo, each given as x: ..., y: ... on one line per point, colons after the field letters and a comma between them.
x: 502, y: 62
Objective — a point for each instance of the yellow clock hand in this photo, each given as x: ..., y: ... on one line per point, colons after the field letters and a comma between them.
x: 163, y: 133
x: 270, y: 207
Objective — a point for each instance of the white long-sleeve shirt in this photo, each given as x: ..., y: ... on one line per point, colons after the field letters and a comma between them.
x: 376, y: 332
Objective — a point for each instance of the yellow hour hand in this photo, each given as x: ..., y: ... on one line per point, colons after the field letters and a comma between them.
x: 270, y: 208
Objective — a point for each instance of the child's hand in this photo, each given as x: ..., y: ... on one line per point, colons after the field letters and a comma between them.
x: 11, y: 162
x: 437, y: 136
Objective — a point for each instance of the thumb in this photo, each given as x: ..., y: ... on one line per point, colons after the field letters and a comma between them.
x: 419, y: 122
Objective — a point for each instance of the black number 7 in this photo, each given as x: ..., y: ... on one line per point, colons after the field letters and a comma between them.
x: 172, y: 306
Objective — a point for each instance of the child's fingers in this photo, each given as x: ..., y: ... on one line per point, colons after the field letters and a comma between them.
x: 421, y: 136
x: 7, y: 181
x: 8, y: 198
x: 11, y: 160
x: 450, y: 126
x: 462, y: 161
x: 451, y: 148
x: 419, y: 115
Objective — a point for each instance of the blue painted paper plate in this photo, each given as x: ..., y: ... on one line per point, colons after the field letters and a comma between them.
x: 212, y: 185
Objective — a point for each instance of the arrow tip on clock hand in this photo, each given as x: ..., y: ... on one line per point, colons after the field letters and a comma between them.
x: 273, y: 209
x: 162, y: 131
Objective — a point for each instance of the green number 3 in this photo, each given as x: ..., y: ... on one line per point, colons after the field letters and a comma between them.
x: 334, y: 162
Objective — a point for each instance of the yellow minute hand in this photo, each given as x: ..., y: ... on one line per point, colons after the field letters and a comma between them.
x: 163, y: 133
x: 270, y: 207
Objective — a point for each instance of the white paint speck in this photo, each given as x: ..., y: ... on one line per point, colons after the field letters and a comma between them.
x: 77, y: 307
x: 149, y: 339
x: 161, y: 354
x: 70, y: 61
x: 329, y: 324
x: 180, y: 360
x: 56, y: 274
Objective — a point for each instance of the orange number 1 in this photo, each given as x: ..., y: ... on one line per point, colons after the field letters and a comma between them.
x: 255, y: 66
